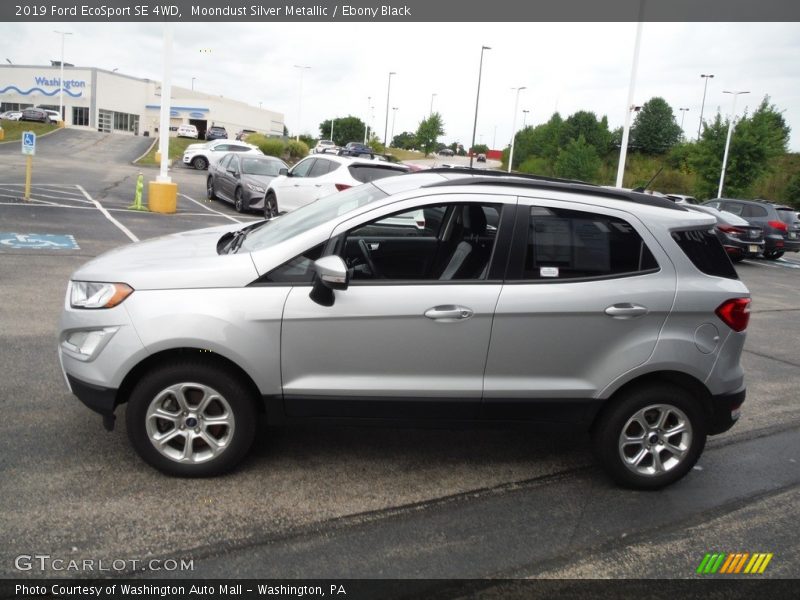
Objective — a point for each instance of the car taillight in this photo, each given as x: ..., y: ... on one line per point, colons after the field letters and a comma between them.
x: 730, y: 230
x: 340, y: 187
x: 735, y: 313
x: 779, y: 225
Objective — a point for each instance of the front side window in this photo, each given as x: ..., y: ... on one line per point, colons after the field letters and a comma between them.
x: 569, y: 244
x: 299, y: 269
x: 301, y: 169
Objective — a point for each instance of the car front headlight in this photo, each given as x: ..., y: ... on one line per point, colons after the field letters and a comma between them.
x: 256, y: 188
x: 92, y: 294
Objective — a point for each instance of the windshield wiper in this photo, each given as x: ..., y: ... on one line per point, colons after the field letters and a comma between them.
x: 238, y: 236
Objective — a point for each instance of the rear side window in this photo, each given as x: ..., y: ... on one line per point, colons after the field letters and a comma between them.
x: 365, y: 173
x: 752, y: 210
x: 787, y: 215
x: 568, y: 244
x: 706, y: 253
x: 322, y: 167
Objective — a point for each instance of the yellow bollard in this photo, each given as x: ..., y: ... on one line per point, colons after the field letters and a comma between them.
x: 2, y: 134
x: 162, y: 197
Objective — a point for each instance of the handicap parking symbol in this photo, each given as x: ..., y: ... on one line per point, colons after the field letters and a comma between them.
x: 38, y: 241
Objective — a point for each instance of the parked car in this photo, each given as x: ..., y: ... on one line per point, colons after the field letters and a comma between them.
x: 315, y: 177
x: 53, y: 115
x: 216, y: 133
x: 325, y: 146
x: 242, y: 179
x: 241, y: 135
x: 188, y: 131
x: 200, y: 156
x: 616, y: 313
x: 35, y: 114
x: 446, y: 152
x: 356, y: 149
x: 11, y: 115
x: 481, y: 158
x: 780, y: 236
x: 740, y: 239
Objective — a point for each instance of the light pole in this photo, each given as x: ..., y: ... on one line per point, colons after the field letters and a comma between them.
x: 431, y: 110
x: 626, y: 130
x: 193, y: 78
x: 728, y: 141
x: 477, y: 99
x: 525, y: 117
x: 333, y: 120
x: 514, y: 128
x: 703, y: 105
x: 386, y: 122
x: 63, y: 34
x: 683, y: 116
x: 494, y: 138
x: 366, y: 129
x: 303, y: 69
x: 394, y: 116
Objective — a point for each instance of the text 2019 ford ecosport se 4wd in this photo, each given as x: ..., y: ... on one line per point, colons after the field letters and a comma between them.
x: 563, y: 305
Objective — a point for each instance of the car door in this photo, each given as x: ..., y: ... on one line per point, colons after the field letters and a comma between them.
x: 587, y: 292
x: 292, y: 188
x: 227, y: 168
x: 400, y: 343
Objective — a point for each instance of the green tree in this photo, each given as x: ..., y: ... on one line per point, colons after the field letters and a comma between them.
x: 579, y: 160
x: 585, y: 123
x: 542, y: 142
x: 793, y: 191
x: 428, y: 131
x: 405, y: 141
x: 654, y: 130
x: 345, y: 129
x: 480, y: 149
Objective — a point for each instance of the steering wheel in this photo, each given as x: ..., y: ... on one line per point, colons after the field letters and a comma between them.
x: 365, y: 252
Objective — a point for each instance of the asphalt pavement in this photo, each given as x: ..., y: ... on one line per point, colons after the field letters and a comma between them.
x: 348, y: 501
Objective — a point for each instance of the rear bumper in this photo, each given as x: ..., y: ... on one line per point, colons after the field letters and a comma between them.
x: 725, y: 411
x: 101, y: 400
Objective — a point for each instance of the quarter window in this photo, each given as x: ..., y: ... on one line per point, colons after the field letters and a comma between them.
x: 322, y: 167
x: 568, y: 244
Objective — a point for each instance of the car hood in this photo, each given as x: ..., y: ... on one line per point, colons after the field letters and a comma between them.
x: 177, y: 261
x: 259, y: 180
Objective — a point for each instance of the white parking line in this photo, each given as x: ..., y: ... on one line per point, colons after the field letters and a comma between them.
x: 111, y: 210
x: 39, y: 194
x: 108, y: 216
x: 211, y: 209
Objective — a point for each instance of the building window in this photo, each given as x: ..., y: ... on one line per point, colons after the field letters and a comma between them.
x: 80, y: 115
x: 4, y: 106
x: 126, y: 122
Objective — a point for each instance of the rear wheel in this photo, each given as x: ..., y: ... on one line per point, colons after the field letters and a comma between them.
x: 191, y: 419
x: 270, y: 205
x: 238, y: 200
x: 200, y: 163
x: 773, y: 254
x: 210, y: 188
x: 651, y: 436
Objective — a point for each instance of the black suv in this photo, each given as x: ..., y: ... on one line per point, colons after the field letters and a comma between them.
x: 216, y: 133
x: 780, y: 223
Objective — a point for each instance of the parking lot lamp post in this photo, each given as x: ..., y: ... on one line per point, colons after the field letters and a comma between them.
x: 386, y: 122
x: 63, y: 34
x: 332, y: 122
x: 193, y: 78
x: 626, y: 130
x: 394, y: 116
x: 514, y: 128
x: 300, y: 101
x: 366, y: 128
x: 728, y: 141
x: 703, y: 105
x: 683, y: 116
x: 477, y: 100
x: 525, y: 117
x: 430, y: 112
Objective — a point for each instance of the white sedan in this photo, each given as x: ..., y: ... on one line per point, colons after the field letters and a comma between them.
x: 318, y: 176
x: 200, y: 156
x: 11, y: 115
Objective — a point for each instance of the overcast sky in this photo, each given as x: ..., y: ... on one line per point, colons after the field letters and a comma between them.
x: 565, y: 67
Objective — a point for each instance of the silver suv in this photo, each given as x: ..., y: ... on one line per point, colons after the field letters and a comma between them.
x: 439, y: 295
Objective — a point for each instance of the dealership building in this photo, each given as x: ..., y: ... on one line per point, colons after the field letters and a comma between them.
x: 112, y: 102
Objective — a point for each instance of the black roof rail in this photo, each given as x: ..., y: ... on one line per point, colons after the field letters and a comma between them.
x: 498, y: 173
x: 541, y: 183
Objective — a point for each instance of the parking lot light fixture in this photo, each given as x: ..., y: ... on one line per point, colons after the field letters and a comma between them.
x: 477, y: 100
x: 366, y: 120
x: 394, y: 116
x: 303, y: 69
x: 63, y: 35
x: 683, y: 116
x: 626, y: 129
x: 525, y: 112
x: 430, y: 112
x: 728, y: 140
x: 514, y: 128
x: 386, y: 122
x: 193, y: 78
x: 703, y: 104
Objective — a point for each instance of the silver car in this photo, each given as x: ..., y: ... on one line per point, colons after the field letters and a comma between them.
x: 560, y: 305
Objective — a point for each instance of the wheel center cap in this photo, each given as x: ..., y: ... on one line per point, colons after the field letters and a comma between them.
x: 652, y: 438
x: 191, y: 422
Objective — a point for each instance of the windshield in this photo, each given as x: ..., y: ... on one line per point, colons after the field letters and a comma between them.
x: 254, y: 166
x: 311, y: 215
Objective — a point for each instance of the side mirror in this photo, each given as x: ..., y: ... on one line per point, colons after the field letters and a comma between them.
x: 283, y: 171
x: 331, y: 275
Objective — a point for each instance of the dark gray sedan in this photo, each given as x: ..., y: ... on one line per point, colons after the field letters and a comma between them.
x: 242, y: 179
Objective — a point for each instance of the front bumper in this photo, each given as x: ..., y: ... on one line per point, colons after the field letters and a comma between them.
x: 99, y: 399
x: 725, y: 411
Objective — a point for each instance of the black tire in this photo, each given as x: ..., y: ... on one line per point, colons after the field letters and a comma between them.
x: 210, y: 188
x: 238, y: 200
x: 773, y: 255
x: 644, y: 401
x: 238, y: 408
x: 200, y: 163
x: 270, y: 205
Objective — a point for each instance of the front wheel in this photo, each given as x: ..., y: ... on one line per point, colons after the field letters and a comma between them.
x: 200, y: 163
x: 191, y: 419
x: 270, y: 205
x: 651, y: 436
x: 210, y: 193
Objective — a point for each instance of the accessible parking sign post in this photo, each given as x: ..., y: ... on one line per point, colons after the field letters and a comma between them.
x: 29, y: 150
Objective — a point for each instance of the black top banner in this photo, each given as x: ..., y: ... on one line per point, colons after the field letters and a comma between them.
x: 401, y: 10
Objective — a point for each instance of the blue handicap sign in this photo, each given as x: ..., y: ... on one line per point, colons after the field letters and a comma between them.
x: 38, y: 241
x: 28, y: 142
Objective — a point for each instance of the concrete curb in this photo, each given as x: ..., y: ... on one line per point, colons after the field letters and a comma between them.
x: 140, y: 157
x: 37, y: 136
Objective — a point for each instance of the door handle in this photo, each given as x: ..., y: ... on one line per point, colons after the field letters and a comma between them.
x: 626, y: 310
x: 374, y: 245
x: 448, y: 313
